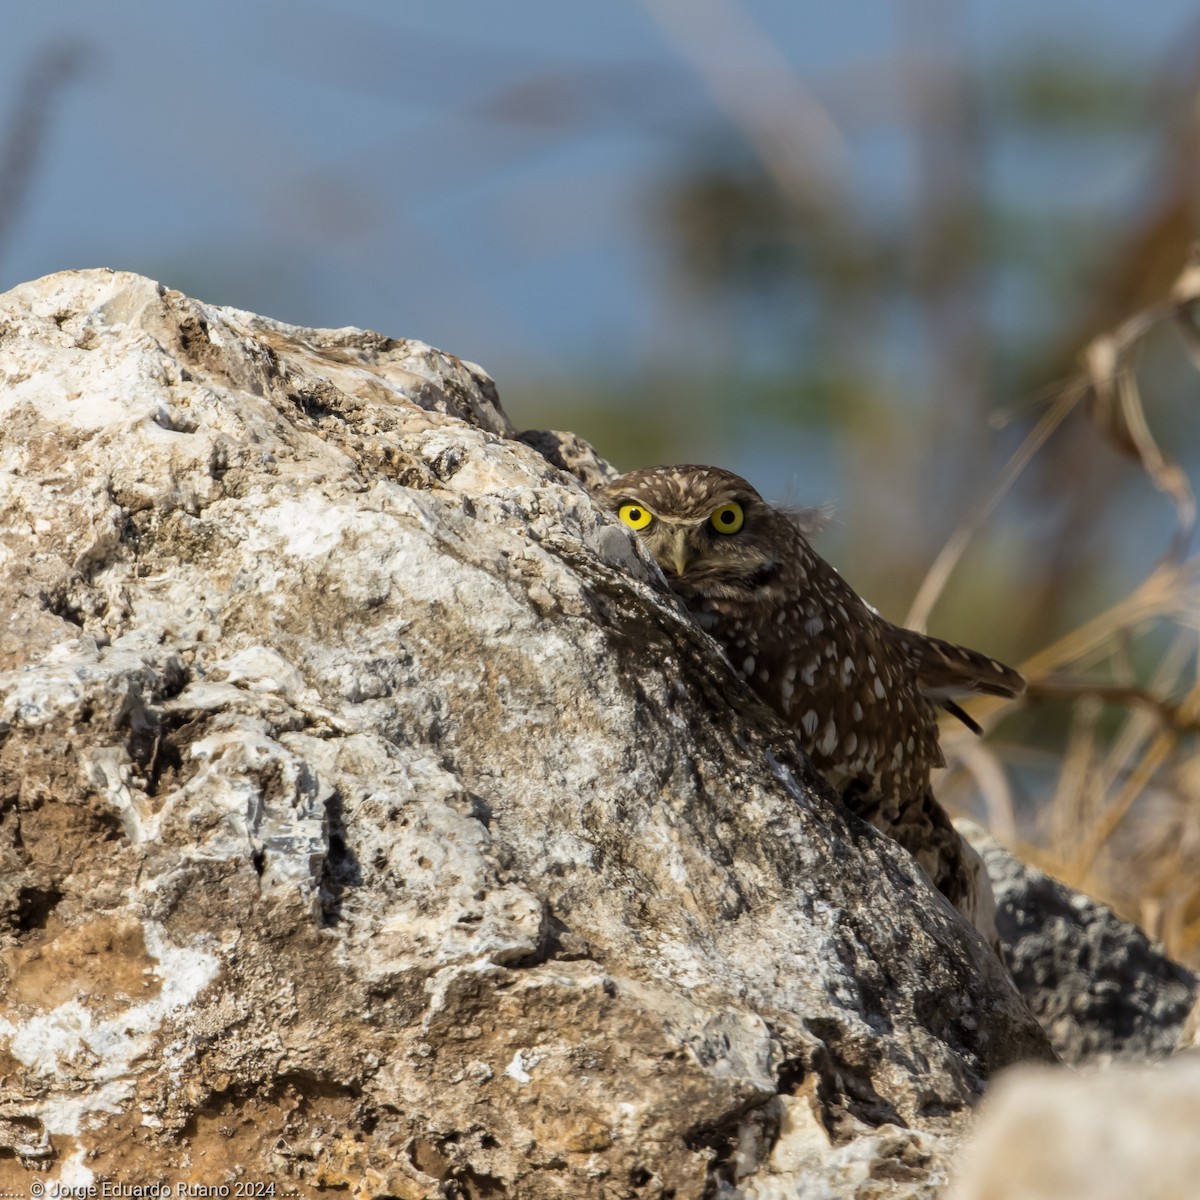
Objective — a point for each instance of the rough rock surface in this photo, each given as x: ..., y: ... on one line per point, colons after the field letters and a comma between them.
x: 1100, y: 988
x: 370, y: 819
x: 1125, y: 1133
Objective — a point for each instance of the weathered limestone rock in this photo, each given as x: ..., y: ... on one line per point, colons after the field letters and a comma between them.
x: 1100, y: 988
x: 371, y: 820
x: 1125, y: 1132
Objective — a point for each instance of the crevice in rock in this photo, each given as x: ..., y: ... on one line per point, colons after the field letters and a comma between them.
x: 468, y: 1184
x: 318, y: 399
x: 34, y: 906
x: 342, y: 869
x: 742, y: 1153
x: 157, y: 748
x: 439, y: 1158
x: 720, y: 1139
x: 25, y: 1139
x: 556, y: 942
x: 844, y: 1086
x: 307, y: 1087
x: 64, y: 605
x: 194, y: 340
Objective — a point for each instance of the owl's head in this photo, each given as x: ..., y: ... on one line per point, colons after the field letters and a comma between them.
x: 709, y: 530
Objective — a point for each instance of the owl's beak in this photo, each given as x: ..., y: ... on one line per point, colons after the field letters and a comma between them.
x: 679, y: 552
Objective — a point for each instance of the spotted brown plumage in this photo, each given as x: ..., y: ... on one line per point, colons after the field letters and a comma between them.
x: 861, y: 693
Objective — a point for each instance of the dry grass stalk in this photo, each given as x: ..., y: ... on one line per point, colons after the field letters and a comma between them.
x: 1123, y: 819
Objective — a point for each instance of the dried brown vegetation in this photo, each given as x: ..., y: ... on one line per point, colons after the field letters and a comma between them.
x: 1121, y: 819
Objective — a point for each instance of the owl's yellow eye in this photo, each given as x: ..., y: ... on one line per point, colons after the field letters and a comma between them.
x: 635, y: 516
x: 729, y: 518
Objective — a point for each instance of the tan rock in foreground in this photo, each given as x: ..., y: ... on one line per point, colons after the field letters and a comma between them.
x: 1126, y: 1133
x: 370, y: 820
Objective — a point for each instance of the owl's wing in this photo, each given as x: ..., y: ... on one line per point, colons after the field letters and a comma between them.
x: 946, y: 671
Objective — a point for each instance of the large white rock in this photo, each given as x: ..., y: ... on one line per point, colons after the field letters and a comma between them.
x: 370, y: 817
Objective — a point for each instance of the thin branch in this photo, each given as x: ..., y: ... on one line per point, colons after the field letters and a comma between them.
x: 1175, y: 716
x: 1168, y: 590
x: 1067, y: 810
x: 943, y: 566
x: 1112, y: 375
x: 1108, y: 379
x: 1115, y: 812
x: 1140, y: 724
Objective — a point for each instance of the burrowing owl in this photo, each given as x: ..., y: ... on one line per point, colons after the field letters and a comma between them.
x: 861, y: 693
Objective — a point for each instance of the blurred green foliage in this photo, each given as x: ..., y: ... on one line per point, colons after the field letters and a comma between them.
x: 1053, y: 89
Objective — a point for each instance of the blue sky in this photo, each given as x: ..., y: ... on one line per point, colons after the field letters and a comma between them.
x: 371, y: 163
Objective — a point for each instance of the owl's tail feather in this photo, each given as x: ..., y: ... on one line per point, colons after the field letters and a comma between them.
x: 946, y: 672
x: 962, y: 714
x: 945, y: 669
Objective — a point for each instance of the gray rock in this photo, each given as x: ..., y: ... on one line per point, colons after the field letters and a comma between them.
x: 570, y: 453
x: 1100, y: 988
x: 372, y: 819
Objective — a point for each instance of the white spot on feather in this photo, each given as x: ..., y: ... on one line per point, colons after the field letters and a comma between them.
x: 829, y: 739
